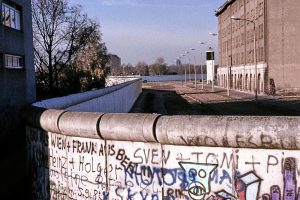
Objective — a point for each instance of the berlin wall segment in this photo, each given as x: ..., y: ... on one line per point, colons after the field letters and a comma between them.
x: 66, y: 167
x: 229, y: 131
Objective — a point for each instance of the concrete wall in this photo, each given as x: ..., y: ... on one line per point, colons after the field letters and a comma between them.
x: 283, y: 43
x: 112, y: 80
x: 164, y: 78
x: 104, y: 100
x: 142, y: 156
x: 116, y: 80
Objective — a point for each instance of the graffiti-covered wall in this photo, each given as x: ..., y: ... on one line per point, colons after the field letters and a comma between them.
x: 68, y: 167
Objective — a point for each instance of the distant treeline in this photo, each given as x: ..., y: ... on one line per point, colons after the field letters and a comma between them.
x: 157, y: 68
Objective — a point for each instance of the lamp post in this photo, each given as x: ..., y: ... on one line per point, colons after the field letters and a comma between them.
x: 187, y: 53
x: 192, y: 49
x: 202, y: 81
x: 180, y: 62
x: 183, y: 55
x: 254, y: 51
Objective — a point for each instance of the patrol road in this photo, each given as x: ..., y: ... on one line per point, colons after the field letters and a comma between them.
x: 175, y: 98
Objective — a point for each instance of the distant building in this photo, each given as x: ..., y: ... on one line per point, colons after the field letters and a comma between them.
x: 277, y: 45
x: 114, y: 61
x: 114, y: 65
x: 17, y: 78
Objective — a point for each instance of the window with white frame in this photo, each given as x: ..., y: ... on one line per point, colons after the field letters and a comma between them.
x: 12, y: 61
x: 11, y: 17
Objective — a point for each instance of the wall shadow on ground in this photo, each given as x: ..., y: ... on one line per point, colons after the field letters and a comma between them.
x: 168, y: 102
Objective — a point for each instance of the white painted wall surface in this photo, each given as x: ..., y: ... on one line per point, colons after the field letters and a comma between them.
x: 115, y: 99
x: 82, y: 168
x: 116, y: 80
x: 118, y: 101
x: 165, y: 78
x: 112, y: 80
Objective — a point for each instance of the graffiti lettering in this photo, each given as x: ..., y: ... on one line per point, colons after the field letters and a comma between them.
x: 223, y: 176
x: 57, y: 161
x: 228, y: 162
x: 88, y: 166
x: 110, y: 150
x: 173, y: 194
x: 199, y: 140
x: 272, y: 161
x: 64, y: 167
x: 84, y: 147
x: 253, y: 163
x: 59, y: 141
x: 146, y: 156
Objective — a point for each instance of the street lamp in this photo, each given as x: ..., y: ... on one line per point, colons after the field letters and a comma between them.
x: 187, y: 53
x: 178, y: 62
x: 202, y: 84
x: 192, y: 49
x: 254, y: 51
x: 183, y: 55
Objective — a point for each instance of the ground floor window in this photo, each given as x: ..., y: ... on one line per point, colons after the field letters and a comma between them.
x: 12, y: 61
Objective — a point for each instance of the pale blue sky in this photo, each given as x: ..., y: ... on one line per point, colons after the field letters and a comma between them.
x: 142, y: 30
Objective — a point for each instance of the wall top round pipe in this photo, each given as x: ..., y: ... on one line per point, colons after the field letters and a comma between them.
x: 219, y: 131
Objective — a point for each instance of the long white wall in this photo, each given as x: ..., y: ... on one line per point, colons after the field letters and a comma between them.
x: 117, y: 98
x: 164, y: 78
x: 112, y: 80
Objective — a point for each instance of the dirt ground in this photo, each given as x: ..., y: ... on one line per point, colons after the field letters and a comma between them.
x: 175, y: 98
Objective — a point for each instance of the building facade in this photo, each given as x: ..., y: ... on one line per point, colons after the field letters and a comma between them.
x: 17, y: 88
x: 114, y: 61
x: 17, y: 79
x: 114, y: 65
x: 275, y: 24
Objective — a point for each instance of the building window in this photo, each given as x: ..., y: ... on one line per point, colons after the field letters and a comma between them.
x: 12, y: 61
x: 11, y: 17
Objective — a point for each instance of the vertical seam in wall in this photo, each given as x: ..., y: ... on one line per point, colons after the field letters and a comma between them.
x: 233, y: 151
x: 57, y: 122
x: 162, y: 167
x: 154, y: 128
x: 106, y: 165
x: 98, y: 127
x: 225, y: 137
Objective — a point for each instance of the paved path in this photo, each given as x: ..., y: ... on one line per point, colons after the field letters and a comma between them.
x: 175, y: 98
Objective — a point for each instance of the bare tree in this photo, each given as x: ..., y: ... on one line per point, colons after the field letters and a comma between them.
x: 142, y: 68
x: 59, y: 32
x: 128, y: 69
x: 159, y: 67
